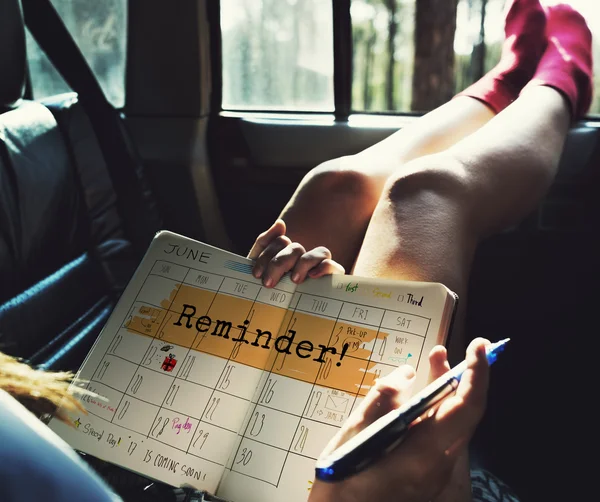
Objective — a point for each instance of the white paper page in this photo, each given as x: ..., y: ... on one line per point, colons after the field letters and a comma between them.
x: 302, y: 402
x: 177, y: 384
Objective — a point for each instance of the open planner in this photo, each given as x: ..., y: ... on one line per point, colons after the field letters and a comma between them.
x: 207, y: 378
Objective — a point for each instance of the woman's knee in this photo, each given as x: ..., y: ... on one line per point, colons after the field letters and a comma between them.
x: 342, y: 180
x: 428, y: 183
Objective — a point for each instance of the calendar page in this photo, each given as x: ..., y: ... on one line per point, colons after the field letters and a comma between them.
x: 342, y: 333
x: 206, y: 378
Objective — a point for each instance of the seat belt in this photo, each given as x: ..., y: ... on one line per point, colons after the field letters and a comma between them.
x: 125, y: 171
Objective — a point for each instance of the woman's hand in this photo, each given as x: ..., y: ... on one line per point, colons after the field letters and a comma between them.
x: 422, y: 466
x: 275, y: 254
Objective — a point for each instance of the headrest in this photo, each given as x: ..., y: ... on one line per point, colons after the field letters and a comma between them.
x: 13, y: 59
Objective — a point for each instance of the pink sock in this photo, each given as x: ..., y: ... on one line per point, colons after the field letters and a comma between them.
x: 567, y: 63
x: 525, y: 41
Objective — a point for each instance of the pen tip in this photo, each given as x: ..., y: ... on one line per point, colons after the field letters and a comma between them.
x: 501, y: 344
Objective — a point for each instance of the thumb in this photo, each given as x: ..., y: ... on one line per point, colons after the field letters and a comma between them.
x: 263, y: 240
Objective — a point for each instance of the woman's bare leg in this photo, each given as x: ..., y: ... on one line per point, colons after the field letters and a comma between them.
x: 436, y: 209
x: 433, y: 214
x: 333, y: 204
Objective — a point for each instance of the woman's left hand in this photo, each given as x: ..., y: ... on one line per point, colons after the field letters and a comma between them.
x: 275, y: 254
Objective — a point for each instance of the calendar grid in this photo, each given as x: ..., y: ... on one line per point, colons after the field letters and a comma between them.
x: 272, y: 436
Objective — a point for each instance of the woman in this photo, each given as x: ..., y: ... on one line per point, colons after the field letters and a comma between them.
x: 416, y: 205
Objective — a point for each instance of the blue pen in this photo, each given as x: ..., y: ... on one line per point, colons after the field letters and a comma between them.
x: 386, y: 433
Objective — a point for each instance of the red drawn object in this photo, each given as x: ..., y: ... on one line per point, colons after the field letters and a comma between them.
x: 169, y: 363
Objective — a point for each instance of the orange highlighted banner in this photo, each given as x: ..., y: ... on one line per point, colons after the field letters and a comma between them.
x: 266, y: 318
x: 347, y: 377
x: 292, y: 366
x: 145, y: 320
x: 179, y: 335
x: 200, y: 299
x: 249, y: 355
x: 229, y: 308
x: 317, y: 330
x: 360, y: 340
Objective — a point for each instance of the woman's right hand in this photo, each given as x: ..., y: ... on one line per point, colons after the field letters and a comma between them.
x: 275, y: 254
x: 422, y: 467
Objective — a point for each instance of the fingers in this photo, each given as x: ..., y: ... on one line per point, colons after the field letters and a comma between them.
x: 326, y: 267
x: 387, y: 394
x: 455, y: 420
x: 438, y: 362
x: 475, y: 381
x: 275, y: 254
x: 308, y: 261
x: 277, y: 258
x: 282, y: 256
x: 277, y: 229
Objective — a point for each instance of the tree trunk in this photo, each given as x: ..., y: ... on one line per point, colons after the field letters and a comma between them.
x: 390, y: 85
x: 369, y: 60
x: 433, y: 76
x: 478, y: 57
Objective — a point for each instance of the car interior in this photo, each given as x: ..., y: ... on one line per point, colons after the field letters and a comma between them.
x: 95, y: 160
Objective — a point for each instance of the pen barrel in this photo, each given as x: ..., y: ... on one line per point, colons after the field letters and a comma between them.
x: 381, y: 436
x: 427, y: 402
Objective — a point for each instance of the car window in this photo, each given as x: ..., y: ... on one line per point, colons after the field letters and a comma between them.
x: 100, y: 31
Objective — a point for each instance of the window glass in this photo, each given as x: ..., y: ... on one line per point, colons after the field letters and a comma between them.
x: 100, y: 30
x: 277, y: 54
x: 383, y: 54
x: 45, y: 80
x: 384, y: 48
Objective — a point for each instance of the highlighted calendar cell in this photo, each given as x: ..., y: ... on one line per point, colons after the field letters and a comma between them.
x: 145, y: 319
x: 346, y: 377
x: 360, y: 339
x: 295, y: 367
x: 229, y: 308
x: 221, y: 344
x: 199, y: 299
x: 265, y: 318
x: 246, y: 353
x: 178, y: 334
x: 312, y: 328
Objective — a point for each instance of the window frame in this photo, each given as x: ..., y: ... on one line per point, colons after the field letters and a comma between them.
x: 342, y: 77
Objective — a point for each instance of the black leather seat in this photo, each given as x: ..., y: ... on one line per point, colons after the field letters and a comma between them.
x: 64, y: 254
